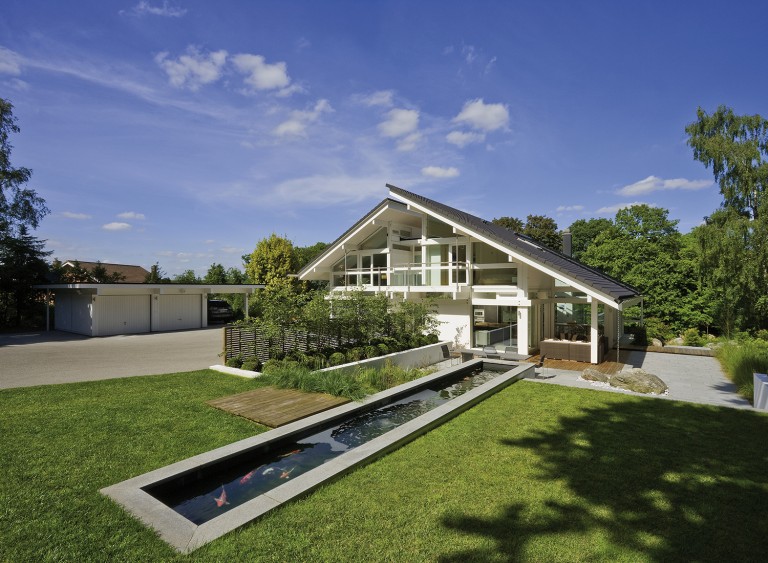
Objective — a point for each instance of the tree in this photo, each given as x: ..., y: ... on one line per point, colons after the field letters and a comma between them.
x: 19, y: 206
x: 100, y: 274
x: 584, y: 232
x: 216, y: 274
x: 540, y: 228
x: 305, y: 254
x: 22, y: 264
x: 736, y: 148
x: 271, y: 262
x: 642, y: 248
x: 22, y: 258
x: 156, y: 275
x: 187, y: 276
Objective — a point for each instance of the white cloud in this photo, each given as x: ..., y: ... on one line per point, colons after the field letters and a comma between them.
x: 325, y: 190
x: 193, y: 69
x: 165, y: 10
x: 461, y: 139
x: 131, y: 215
x: 399, y: 122
x: 261, y: 75
x: 297, y: 124
x: 116, y: 226
x: 17, y: 84
x: 655, y: 184
x: 479, y: 115
x: 409, y: 142
x: 561, y: 208
x: 78, y: 216
x: 381, y: 98
x: 10, y: 62
x: 232, y: 250
x: 440, y: 172
x: 614, y: 208
x: 469, y: 53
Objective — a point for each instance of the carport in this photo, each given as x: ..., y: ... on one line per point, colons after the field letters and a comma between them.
x: 106, y: 309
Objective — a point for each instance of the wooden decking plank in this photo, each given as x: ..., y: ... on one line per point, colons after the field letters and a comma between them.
x: 608, y: 367
x: 275, y: 407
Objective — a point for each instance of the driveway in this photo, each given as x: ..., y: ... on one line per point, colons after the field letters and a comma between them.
x: 59, y: 357
x: 695, y: 379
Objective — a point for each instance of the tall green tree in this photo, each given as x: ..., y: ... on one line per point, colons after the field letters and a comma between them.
x: 22, y: 256
x: 736, y: 148
x: 540, y: 228
x: 156, y: 275
x: 216, y: 274
x: 271, y: 262
x: 187, y: 276
x: 584, y: 232
x: 643, y: 249
x: 19, y: 206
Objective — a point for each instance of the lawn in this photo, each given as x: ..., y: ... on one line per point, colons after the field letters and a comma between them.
x: 537, y: 472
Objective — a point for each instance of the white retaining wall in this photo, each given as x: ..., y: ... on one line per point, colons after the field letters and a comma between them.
x: 761, y: 391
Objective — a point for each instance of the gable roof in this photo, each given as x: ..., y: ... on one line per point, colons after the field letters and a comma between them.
x: 525, y: 246
x: 132, y: 274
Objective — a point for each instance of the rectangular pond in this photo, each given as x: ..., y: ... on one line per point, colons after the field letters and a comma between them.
x: 199, y: 499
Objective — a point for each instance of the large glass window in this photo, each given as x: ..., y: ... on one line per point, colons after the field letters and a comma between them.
x: 495, y: 276
x: 484, y: 254
x: 438, y: 229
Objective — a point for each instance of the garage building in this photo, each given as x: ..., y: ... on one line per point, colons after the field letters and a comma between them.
x: 106, y: 309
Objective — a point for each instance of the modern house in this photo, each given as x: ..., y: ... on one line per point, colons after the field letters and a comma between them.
x: 491, y: 286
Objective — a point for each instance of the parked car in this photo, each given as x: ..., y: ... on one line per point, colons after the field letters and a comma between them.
x: 219, y: 311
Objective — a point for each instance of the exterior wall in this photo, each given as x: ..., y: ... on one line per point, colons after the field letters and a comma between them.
x: 455, y: 322
x: 121, y: 314
x: 415, y: 358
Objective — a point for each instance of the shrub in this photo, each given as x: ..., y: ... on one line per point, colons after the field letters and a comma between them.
x: 251, y: 364
x: 433, y: 338
x: 656, y: 328
x: 742, y: 359
x: 762, y: 334
x: 235, y: 362
x: 383, y: 349
x: 692, y: 337
x: 271, y: 365
x: 354, y: 354
x: 371, y: 351
x: 336, y: 359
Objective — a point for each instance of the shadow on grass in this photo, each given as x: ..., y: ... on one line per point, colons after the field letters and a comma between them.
x: 667, y: 480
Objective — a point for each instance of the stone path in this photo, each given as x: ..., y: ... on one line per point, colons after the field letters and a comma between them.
x: 694, y: 379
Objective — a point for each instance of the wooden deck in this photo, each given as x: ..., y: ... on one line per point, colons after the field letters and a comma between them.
x: 275, y: 407
x: 609, y: 367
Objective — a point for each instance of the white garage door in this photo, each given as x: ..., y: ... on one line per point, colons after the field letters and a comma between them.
x: 122, y: 314
x: 73, y: 313
x: 179, y: 312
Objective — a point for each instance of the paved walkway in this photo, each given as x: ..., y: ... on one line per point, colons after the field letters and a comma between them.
x: 695, y: 379
x: 60, y: 357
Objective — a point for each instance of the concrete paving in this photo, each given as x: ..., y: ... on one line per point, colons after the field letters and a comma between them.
x: 58, y: 357
x: 694, y: 379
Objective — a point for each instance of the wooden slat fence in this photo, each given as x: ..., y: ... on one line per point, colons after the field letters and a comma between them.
x: 249, y: 342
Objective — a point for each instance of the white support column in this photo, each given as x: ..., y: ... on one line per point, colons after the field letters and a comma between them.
x: 246, y: 305
x: 522, y: 330
x: 610, y: 325
x: 204, y: 310
x: 594, y: 338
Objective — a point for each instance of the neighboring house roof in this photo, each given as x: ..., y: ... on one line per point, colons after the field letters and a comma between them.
x: 525, y: 246
x: 132, y: 274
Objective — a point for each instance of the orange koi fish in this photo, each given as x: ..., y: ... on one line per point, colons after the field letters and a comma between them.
x: 221, y: 500
x: 287, y: 474
x: 248, y: 476
x: 291, y: 453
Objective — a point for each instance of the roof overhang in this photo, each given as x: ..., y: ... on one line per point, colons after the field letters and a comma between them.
x: 150, y: 288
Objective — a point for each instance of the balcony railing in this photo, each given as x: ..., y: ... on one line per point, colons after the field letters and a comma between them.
x: 405, y: 275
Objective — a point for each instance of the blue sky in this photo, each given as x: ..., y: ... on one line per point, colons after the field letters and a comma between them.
x: 183, y: 132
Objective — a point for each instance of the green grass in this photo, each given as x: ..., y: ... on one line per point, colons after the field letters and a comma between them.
x: 352, y: 384
x: 740, y: 360
x: 537, y: 472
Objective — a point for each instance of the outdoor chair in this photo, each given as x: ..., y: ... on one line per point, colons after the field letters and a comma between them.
x: 490, y: 352
x: 510, y: 353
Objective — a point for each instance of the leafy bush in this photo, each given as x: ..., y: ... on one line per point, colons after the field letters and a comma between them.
x: 271, y: 365
x: 762, y: 334
x: 251, y: 364
x: 354, y: 354
x: 235, y: 362
x: 371, y: 351
x: 656, y: 329
x: 433, y: 338
x: 383, y: 349
x: 692, y: 337
x: 741, y: 360
x: 336, y: 359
